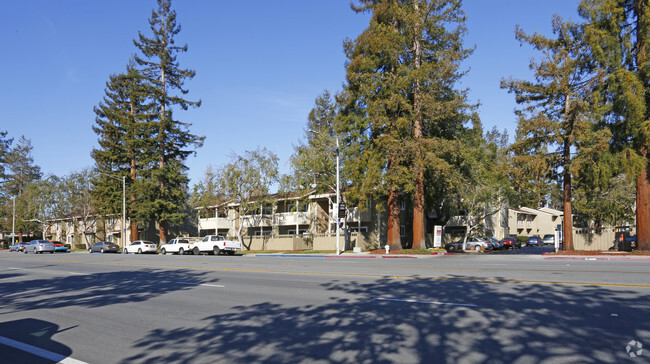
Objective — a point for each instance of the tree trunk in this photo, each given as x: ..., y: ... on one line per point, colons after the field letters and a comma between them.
x: 393, y: 238
x: 162, y: 231
x: 643, y: 209
x: 566, y: 157
x: 419, y: 239
x: 643, y: 181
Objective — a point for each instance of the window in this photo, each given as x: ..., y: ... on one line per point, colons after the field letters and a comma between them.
x: 264, y: 232
x: 402, y: 230
x: 300, y: 232
x: 402, y: 206
x: 69, y: 239
x: 301, y: 207
x: 363, y: 229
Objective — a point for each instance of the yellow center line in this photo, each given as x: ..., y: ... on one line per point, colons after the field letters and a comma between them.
x: 483, y: 280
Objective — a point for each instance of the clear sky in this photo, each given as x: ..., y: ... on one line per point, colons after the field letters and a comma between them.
x: 259, y: 65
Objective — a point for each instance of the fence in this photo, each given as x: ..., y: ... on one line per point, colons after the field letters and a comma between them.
x: 309, y: 242
x: 588, y: 239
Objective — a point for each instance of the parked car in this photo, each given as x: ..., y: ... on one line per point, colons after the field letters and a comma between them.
x: 534, y: 240
x: 17, y: 247
x: 549, y: 239
x: 176, y: 246
x: 39, y: 246
x: 104, y: 247
x: 496, y: 244
x: 141, y: 246
x: 478, y: 244
x: 60, y: 247
x: 454, y: 246
x: 511, y: 243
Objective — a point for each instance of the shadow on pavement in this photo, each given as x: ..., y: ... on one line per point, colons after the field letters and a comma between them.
x: 511, y: 323
x: 37, y: 333
x: 96, y: 290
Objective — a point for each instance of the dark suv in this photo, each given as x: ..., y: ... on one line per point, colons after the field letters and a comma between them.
x: 511, y: 243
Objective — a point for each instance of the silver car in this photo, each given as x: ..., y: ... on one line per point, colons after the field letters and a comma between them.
x: 39, y: 246
x: 478, y: 244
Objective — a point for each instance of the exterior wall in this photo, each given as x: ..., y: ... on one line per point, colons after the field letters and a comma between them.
x: 586, y: 239
x: 528, y: 222
x: 279, y: 243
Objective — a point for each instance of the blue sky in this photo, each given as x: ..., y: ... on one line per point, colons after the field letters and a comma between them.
x: 259, y: 65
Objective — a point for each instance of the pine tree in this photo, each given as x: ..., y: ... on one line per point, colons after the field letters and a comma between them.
x: 5, y: 147
x: 124, y: 130
x: 314, y: 160
x: 401, y: 103
x: 172, y: 138
x: 557, y: 104
x: 20, y: 172
x: 618, y: 32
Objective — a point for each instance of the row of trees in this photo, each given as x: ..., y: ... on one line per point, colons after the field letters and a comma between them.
x: 590, y: 103
x: 407, y: 131
x: 30, y: 201
x: 409, y: 134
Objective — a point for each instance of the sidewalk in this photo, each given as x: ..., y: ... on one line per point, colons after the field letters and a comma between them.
x: 350, y: 255
x: 610, y: 256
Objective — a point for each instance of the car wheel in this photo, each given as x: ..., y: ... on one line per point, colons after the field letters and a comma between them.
x: 216, y: 250
x: 51, y: 252
x: 139, y: 251
x: 181, y: 251
x: 451, y: 248
x: 477, y: 248
x: 101, y: 250
x: 90, y: 250
x: 163, y: 251
x: 196, y: 251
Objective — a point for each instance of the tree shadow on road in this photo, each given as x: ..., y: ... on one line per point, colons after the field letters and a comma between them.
x: 418, y: 320
x: 93, y: 290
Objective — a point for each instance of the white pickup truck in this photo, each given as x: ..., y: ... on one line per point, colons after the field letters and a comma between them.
x: 178, y: 246
x: 215, y: 244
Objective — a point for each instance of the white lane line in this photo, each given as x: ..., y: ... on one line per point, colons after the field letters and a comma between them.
x: 57, y: 358
x: 201, y: 284
x: 428, y: 302
x: 17, y: 268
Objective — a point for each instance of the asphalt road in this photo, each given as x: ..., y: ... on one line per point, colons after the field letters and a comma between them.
x: 472, y: 308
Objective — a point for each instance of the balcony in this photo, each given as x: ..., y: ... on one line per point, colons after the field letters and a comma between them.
x: 355, y: 215
x: 214, y: 223
x: 291, y: 218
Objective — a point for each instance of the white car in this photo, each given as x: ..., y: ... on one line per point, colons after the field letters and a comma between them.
x: 176, y: 246
x: 141, y: 246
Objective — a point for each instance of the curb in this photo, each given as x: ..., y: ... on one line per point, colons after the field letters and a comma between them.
x: 365, y: 256
x: 597, y: 257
